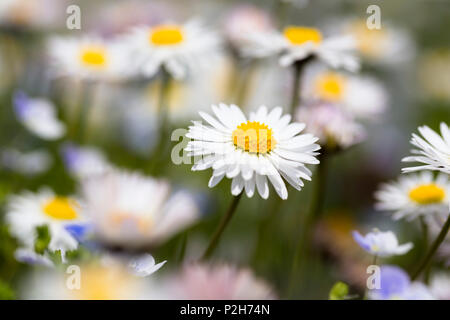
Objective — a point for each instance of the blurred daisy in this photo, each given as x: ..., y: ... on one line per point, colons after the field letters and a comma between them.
x: 84, y: 161
x: 95, y: 282
x: 38, y: 115
x: 360, y: 96
x: 141, y: 265
x: 27, y: 163
x: 297, y: 43
x: 381, y: 244
x: 387, y: 45
x: 266, y: 146
x: 334, y: 126
x: 440, y: 286
x: 88, y: 58
x: 131, y: 210
x: 243, y: 20
x: 179, y: 49
x: 434, y: 73
x: 29, y: 256
x: 414, y: 195
x: 27, y: 211
x: 395, y: 284
x: 220, y: 282
x: 432, y: 150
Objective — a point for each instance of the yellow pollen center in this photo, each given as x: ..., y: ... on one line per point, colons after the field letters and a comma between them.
x: 331, y: 86
x: 166, y: 35
x: 254, y: 137
x: 61, y: 208
x: 94, y: 57
x: 427, y: 194
x: 301, y: 35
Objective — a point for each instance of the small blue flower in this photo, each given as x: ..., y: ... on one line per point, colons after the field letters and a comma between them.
x: 383, y: 244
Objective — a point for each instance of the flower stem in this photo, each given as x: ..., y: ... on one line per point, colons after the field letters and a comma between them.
x: 298, y: 70
x: 435, y: 245
x: 223, y: 224
x: 310, y: 219
x: 84, y: 111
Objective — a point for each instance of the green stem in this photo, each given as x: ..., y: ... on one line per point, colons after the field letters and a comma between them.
x: 84, y: 111
x: 314, y: 212
x: 298, y: 66
x: 223, y: 224
x: 375, y: 258
x: 440, y: 238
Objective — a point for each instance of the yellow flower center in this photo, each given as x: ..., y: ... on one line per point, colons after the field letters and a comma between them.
x: 143, y: 224
x: 369, y: 41
x: 331, y: 86
x: 93, y: 57
x: 427, y: 194
x: 254, y: 137
x: 61, y: 208
x: 166, y: 35
x: 301, y: 35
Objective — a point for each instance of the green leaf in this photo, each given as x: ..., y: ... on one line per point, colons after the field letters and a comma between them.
x: 339, y: 291
x: 6, y: 293
x: 42, y: 240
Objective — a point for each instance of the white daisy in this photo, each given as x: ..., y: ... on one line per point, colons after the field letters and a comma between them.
x: 432, y: 150
x: 361, y: 96
x: 297, y: 43
x: 414, y: 195
x: 382, y: 244
x: 27, y: 211
x: 131, y: 210
x: 179, y: 49
x: 38, y: 116
x: 88, y: 58
x: 249, y: 151
x: 334, y: 126
x: 388, y: 44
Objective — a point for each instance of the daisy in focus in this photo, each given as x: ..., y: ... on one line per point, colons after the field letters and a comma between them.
x: 335, y: 127
x: 360, y: 96
x: 27, y: 211
x: 178, y: 48
x: 433, y: 150
x: 381, y: 244
x: 131, y: 210
x: 219, y: 282
x: 395, y: 284
x: 39, y: 116
x: 89, y: 58
x: 415, y: 195
x: 265, y: 147
x: 297, y: 43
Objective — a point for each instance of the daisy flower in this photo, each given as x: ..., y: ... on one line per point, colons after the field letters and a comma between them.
x: 297, y: 43
x: 131, y: 210
x: 395, y: 284
x: 414, y: 195
x: 27, y: 211
x: 334, y: 126
x: 217, y: 282
x: 389, y: 44
x: 433, y: 150
x: 382, y: 244
x: 178, y: 48
x: 266, y: 146
x: 84, y: 161
x: 361, y: 96
x: 38, y: 115
x: 89, y: 58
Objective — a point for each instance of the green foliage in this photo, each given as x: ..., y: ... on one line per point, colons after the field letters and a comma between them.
x: 42, y: 240
x: 339, y: 291
x: 6, y: 293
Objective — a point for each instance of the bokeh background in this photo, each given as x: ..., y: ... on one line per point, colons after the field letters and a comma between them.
x: 262, y: 234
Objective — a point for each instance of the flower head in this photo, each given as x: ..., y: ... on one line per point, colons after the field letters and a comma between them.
x: 251, y: 150
x: 84, y: 161
x: 296, y: 43
x: 38, y: 116
x: 383, y: 244
x: 131, y: 210
x: 414, y: 195
x: 179, y: 48
x: 433, y: 150
x: 334, y: 126
x: 27, y: 211
x: 220, y: 282
x: 395, y: 284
